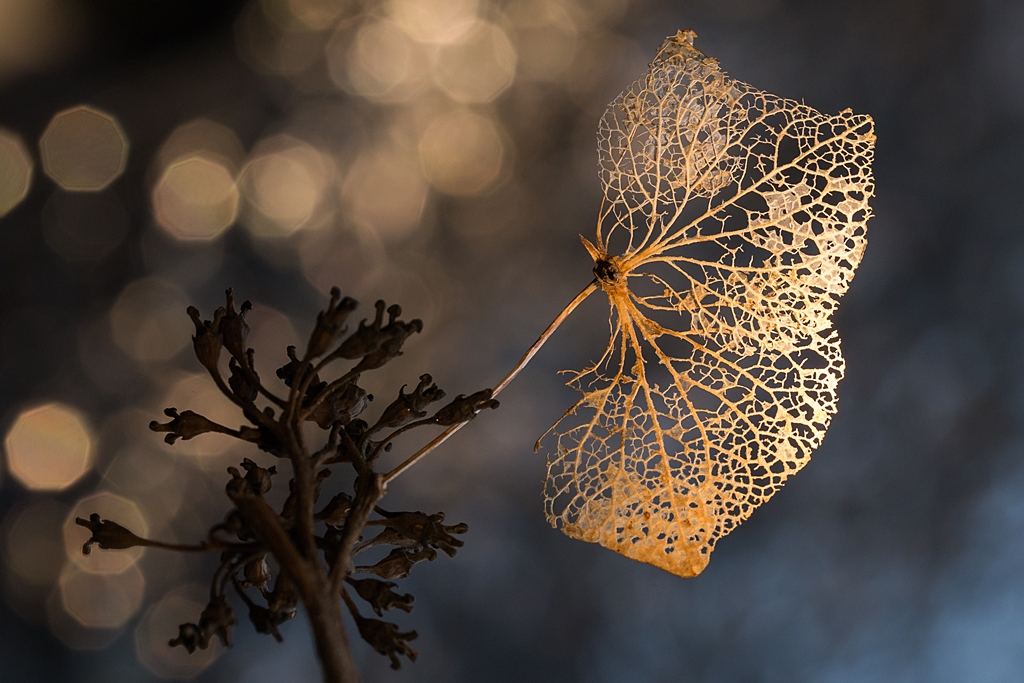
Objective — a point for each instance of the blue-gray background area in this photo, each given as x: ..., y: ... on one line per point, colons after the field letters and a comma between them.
x: 897, y: 554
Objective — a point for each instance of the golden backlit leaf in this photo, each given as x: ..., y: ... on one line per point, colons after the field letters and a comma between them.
x: 732, y: 223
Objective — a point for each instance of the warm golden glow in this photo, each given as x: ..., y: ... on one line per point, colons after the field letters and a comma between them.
x: 146, y: 320
x: 34, y: 551
x: 545, y: 36
x: 101, y: 601
x: 380, y: 62
x: 179, y: 606
x: 720, y: 376
x: 49, y: 448
x: 84, y: 149
x: 434, y: 21
x: 318, y: 15
x: 204, y: 138
x: 108, y: 506
x: 34, y: 34
x: 477, y: 67
x: 461, y: 152
x: 285, y: 182
x: 385, y: 192
x: 195, y: 199
x: 15, y: 171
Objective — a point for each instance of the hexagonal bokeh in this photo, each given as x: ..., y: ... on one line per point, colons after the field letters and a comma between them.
x: 15, y: 171
x: 49, y: 447
x: 84, y: 149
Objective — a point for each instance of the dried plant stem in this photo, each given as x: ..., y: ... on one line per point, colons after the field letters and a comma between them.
x: 530, y: 353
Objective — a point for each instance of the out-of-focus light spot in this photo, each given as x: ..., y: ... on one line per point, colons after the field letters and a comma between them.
x: 434, y: 21
x: 195, y: 199
x: 34, y: 550
x: 381, y: 62
x: 69, y: 631
x: 49, y: 448
x: 205, y: 138
x: 385, y: 192
x: 545, y: 38
x: 177, y: 607
x: 84, y: 227
x: 270, y: 47
x: 108, y: 506
x: 461, y: 152
x: 84, y: 149
x: 285, y: 182
x: 198, y: 393
x: 34, y: 34
x: 148, y: 322
x: 101, y: 601
x: 15, y: 170
x: 478, y: 67
x: 318, y: 14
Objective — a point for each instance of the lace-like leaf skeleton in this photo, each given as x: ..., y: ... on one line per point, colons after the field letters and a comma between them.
x: 732, y: 223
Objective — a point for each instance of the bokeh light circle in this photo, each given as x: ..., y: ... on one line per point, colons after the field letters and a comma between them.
x: 285, y: 182
x: 434, y: 21
x: 101, y: 601
x: 179, y: 606
x: 34, y: 550
x: 380, y: 62
x: 478, y: 67
x: 84, y: 149
x: 15, y: 171
x: 196, y: 198
x: 385, y: 192
x: 461, y: 152
x: 49, y: 447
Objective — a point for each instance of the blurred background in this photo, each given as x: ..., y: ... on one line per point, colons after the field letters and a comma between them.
x: 441, y: 154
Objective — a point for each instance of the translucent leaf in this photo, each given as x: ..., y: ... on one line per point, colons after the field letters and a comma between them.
x: 732, y: 223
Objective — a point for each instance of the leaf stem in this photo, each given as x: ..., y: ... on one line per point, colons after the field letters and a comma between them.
x: 530, y: 353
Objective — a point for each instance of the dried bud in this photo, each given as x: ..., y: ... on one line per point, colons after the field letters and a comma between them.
x: 216, y: 620
x: 419, y: 530
x: 385, y: 639
x: 188, y: 637
x: 244, y: 381
x: 409, y: 407
x: 464, y: 408
x: 329, y: 323
x: 258, y: 477
x: 207, y: 341
x: 257, y: 573
x: 364, y: 340
x: 380, y: 596
x: 265, y: 621
x: 343, y: 405
x: 184, y: 426
x: 393, y: 337
x: 108, y: 535
x: 398, y: 563
x: 233, y: 327
x: 336, y: 511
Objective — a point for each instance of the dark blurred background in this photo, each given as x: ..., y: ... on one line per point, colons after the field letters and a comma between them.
x: 441, y: 154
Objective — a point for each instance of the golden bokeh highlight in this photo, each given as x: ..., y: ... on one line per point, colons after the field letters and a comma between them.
x: 84, y: 149
x: 545, y: 36
x: 35, y: 34
x: 33, y: 548
x: 195, y: 199
x: 461, y: 152
x: 108, y: 506
x: 381, y: 62
x: 285, y: 182
x: 385, y: 192
x: 15, y: 171
x: 179, y: 606
x: 49, y: 447
x: 147, y: 320
x: 198, y: 393
x: 318, y: 15
x: 434, y: 21
x: 99, y: 600
x: 70, y: 632
x: 477, y: 67
x: 205, y: 138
